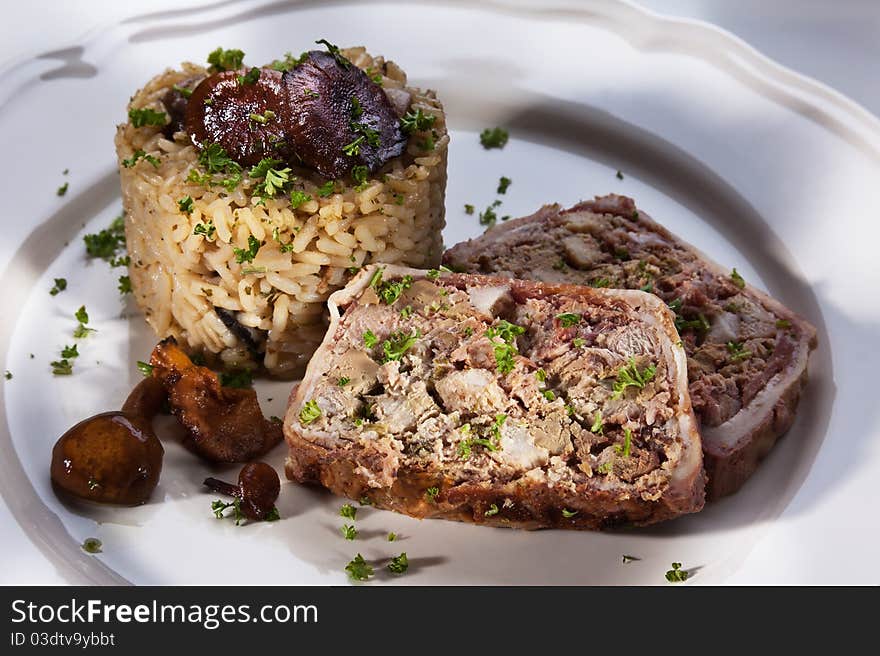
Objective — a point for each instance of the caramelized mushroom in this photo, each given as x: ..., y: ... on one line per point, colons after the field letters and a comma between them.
x: 241, y: 111
x: 337, y: 117
x: 224, y: 424
x: 258, y: 489
x: 113, y: 457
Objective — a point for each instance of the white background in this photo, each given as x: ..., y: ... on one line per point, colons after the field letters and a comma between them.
x: 834, y: 42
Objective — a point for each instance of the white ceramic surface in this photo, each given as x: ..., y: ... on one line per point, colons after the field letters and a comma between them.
x: 760, y: 168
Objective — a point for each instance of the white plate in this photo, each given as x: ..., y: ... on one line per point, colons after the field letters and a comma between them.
x: 760, y: 168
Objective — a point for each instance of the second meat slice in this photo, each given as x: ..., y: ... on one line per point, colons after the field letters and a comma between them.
x: 498, y: 401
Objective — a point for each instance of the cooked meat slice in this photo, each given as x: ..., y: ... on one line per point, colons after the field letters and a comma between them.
x: 470, y: 409
x: 224, y: 424
x: 747, y: 354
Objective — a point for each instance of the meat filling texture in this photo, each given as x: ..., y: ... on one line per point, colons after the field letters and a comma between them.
x: 488, y: 383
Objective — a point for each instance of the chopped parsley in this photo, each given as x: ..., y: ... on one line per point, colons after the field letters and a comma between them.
x: 549, y: 395
x: 676, y: 574
x: 251, y: 77
x: 138, y: 155
x: 619, y: 175
x: 433, y: 274
x: 578, y: 342
x: 568, y: 514
x: 388, y: 290
x: 273, y: 515
x: 494, y: 138
x: 185, y: 204
x: 70, y: 352
x: 427, y: 143
x: 349, y: 532
x: 237, y: 378
x: 146, y: 116
x: 417, y: 121
x: 62, y: 189
x: 505, y: 351
x: 342, y: 382
x: 406, y: 312
x: 215, y: 159
x: 205, y: 229
x: 488, y: 217
x: 600, y: 283
x: 568, y: 319
x: 392, y: 536
x: 375, y: 76
x: 737, y: 351
x: 359, y: 174
x: 225, y: 60
x: 432, y: 493
x: 248, y: 254
x: 353, y: 148
x: 348, y: 511
x: 108, y: 242
x: 183, y: 91
x: 737, y: 279
x: 61, y: 367
x: 493, y: 510
x: 370, y: 338
x: 145, y: 368
x: 399, y: 564
x: 309, y: 412
x: 124, y: 285
x: 82, y: 316
x: 605, y: 467
x: 624, y: 450
x: 8, y: 375
x: 92, y: 546
x: 598, y: 427
x: 326, y: 189
x: 334, y: 50
x: 359, y: 569
x: 503, y: 184
x: 398, y: 344
x: 298, y: 197
x: 783, y: 323
x: 274, y: 180
x: 468, y: 209
x: 219, y: 508
x: 289, y: 62
x: 630, y: 376
x: 59, y: 286
x: 541, y: 375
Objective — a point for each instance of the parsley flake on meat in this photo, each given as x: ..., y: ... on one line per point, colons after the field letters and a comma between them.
x: 398, y: 343
x: 431, y: 494
x: 630, y: 376
x: 493, y: 510
x: 370, y: 338
x: 737, y: 279
x: 494, y: 138
x: 309, y: 412
x: 145, y: 368
x: 568, y: 514
x: 568, y: 319
x: 737, y: 351
x: 624, y: 450
x: 505, y: 351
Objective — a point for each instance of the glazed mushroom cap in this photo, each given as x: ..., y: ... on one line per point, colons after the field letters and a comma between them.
x: 333, y: 105
x: 259, y: 488
x: 242, y: 112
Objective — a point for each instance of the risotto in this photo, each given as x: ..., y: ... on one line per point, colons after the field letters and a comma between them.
x: 241, y: 275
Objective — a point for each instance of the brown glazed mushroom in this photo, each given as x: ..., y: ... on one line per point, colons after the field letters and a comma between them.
x: 258, y: 489
x: 224, y: 424
x: 242, y: 112
x: 113, y: 457
x: 337, y: 117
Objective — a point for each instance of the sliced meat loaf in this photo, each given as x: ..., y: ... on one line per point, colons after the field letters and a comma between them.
x: 499, y: 402
x: 747, y: 353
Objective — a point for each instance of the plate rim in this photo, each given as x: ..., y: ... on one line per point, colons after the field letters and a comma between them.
x: 34, y: 516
